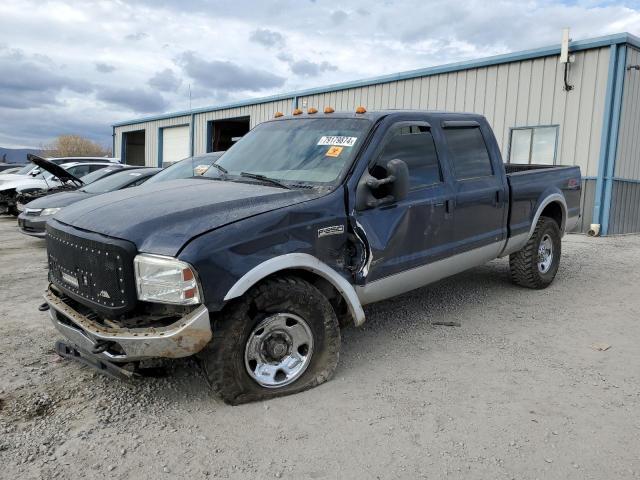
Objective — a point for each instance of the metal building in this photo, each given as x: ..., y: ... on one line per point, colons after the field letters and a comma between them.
x: 589, y: 117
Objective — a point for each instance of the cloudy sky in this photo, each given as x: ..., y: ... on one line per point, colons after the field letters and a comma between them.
x: 79, y: 66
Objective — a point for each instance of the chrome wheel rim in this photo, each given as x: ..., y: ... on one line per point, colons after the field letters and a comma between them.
x: 278, y: 350
x: 545, y: 254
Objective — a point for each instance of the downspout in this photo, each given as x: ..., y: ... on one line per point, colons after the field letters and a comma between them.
x: 294, y: 102
x: 191, y: 134
x: 604, y: 139
x: 613, y: 138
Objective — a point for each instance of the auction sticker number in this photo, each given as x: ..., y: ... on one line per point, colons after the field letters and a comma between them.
x: 338, y: 141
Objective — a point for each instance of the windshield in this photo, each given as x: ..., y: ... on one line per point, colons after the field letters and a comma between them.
x: 311, y: 151
x: 98, y: 174
x: 187, y: 168
x: 26, y: 169
x: 115, y: 181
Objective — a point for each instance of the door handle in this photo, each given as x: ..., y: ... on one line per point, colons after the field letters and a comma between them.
x: 497, y: 198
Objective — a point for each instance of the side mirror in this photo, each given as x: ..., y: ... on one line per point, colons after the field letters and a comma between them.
x: 373, y: 192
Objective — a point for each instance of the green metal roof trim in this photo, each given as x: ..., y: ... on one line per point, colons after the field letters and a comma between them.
x: 576, y: 46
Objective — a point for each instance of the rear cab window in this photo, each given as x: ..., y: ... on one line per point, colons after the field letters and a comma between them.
x: 468, y: 153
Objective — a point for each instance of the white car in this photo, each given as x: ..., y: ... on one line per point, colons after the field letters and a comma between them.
x: 41, y: 180
x: 33, y: 170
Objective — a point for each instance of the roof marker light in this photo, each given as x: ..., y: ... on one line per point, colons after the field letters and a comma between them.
x: 278, y: 114
x: 328, y: 110
x: 361, y: 109
x: 312, y: 110
x: 297, y: 111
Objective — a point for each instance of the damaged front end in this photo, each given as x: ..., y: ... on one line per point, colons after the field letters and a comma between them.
x: 8, y: 201
x: 22, y: 198
x: 148, y: 332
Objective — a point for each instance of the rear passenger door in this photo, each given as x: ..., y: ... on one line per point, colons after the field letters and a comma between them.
x: 414, y: 231
x: 479, y: 217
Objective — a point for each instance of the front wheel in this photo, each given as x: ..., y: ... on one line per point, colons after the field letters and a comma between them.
x: 536, y: 265
x: 282, y: 337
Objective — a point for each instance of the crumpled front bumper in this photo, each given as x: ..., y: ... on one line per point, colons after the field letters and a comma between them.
x: 183, y: 338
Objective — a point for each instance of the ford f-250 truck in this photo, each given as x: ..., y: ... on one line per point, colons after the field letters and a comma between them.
x: 257, y: 264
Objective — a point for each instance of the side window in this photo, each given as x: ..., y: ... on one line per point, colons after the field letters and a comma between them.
x: 414, y: 145
x: 469, y: 155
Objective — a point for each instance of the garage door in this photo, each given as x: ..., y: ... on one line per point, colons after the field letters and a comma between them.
x: 175, y: 144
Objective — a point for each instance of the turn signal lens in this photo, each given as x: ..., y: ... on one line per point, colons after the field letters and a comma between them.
x: 278, y: 114
x: 328, y: 110
x: 297, y: 111
x: 361, y: 109
x: 312, y: 110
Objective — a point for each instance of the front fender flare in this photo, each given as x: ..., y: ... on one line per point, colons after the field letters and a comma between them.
x: 300, y: 261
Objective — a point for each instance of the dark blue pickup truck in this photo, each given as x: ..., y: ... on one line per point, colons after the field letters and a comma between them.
x: 257, y: 264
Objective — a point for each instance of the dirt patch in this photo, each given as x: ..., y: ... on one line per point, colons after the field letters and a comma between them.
x: 515, y: 391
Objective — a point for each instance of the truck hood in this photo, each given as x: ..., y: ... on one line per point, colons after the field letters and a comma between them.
x: 161, y: 218
x: 59, y: 200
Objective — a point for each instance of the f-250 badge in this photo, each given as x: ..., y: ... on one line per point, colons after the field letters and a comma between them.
x: 332, y: 230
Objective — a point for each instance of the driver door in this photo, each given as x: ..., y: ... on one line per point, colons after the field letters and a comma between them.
x: 415, y: 231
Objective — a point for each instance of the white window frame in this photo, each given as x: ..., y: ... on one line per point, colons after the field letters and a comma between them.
x: 533, y: 128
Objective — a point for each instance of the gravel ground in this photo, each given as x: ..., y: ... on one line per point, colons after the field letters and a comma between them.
x: 517, y: 391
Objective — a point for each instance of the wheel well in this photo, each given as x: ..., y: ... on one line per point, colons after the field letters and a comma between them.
x: 554, y: 211
x: 325, y: 287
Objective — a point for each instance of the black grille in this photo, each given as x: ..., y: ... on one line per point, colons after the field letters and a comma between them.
x: 93, y: 269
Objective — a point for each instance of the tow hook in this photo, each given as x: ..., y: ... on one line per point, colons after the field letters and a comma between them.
x: 101, y: 346
x: 44, y: 307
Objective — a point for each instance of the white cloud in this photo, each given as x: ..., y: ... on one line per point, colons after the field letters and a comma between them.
x: 104, y: 61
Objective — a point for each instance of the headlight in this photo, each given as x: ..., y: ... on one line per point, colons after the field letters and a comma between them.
x: 49, y: 211
x: 166, y: 280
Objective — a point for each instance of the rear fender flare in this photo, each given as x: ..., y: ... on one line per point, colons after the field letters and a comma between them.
x: 554, y: 197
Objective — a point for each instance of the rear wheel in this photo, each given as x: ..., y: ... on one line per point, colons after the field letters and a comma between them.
x: 282, y: 337
x: 536, y: 265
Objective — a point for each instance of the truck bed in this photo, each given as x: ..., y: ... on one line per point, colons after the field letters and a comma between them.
x: 528, y: 184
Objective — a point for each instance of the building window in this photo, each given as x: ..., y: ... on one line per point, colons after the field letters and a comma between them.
x: 533, y: 145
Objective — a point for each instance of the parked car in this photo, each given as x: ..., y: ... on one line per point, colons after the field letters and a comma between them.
x: 255, y: 265
x: 50, y: 175
x: 186, y: 168
x: 10, y: 167
x: 35, y: 214
x: 25, y: 195
x: 12, y: 170
x: 33, y: 170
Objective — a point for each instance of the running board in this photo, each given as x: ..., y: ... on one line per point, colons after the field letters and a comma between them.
x: 109, y: 369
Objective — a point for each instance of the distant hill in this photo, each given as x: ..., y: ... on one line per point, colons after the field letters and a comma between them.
x: 16, y: 155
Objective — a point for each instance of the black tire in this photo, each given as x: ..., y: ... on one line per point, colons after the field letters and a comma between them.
x: 524, y: 263
x: 223, y: 360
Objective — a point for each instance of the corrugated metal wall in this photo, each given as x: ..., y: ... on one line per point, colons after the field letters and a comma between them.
x: 628, y: 158
x: 151, y: 136
x: 515, y: 94
x: 625, y: 198
x: 586, y: 205
x: 625, y: 208
x: 523, y: 93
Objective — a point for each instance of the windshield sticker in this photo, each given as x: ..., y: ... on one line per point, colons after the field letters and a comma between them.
x: 338, y: 141
x: 333, y: 152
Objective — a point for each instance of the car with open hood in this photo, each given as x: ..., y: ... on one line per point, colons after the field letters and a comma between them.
x: 33, y: 218
x: 47, y: 176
